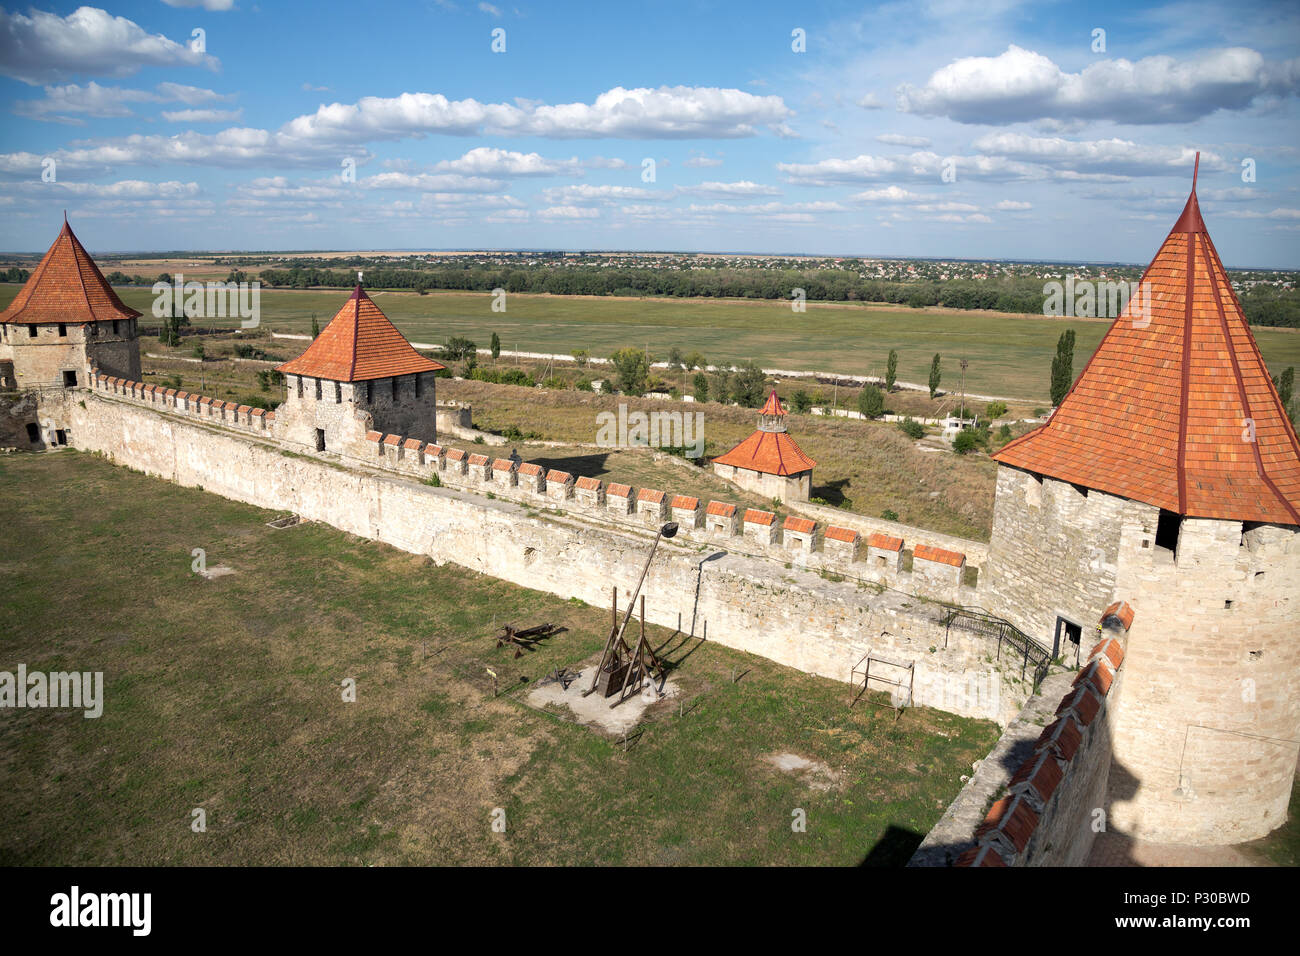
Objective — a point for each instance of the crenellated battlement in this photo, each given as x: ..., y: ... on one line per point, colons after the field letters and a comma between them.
x: 936, y: 572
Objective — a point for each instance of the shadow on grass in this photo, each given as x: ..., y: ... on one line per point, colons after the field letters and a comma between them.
x: 582, y: 466
x: 893, y: 849
x: 832, y: 492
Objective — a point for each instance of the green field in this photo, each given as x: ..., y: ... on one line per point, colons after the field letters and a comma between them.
x: 1009, y: 355
x: 224, y: 695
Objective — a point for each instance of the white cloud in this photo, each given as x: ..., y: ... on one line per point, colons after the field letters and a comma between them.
x: 702, y: 162
x: 871, y: 102
x: 489, y: 161
x: 1021, y: 85
x: 724, y: 190
x: 569, y: 212
x: 215, y: 6
x: 1079, y: 159
x: 489, y: 9
x: 918, y: 167
x: 896, y: 139
x: 67, y: 104
x: 1013, y: 205
x: 202, y: 116
x: 888, y: 194
x: 586, y: 193
x: 662, y: 113
x: 124, y: 189
x: 47, y: 48
x: 429, y: 182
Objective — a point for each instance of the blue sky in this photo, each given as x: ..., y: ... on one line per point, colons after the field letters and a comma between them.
x: 380, y: 125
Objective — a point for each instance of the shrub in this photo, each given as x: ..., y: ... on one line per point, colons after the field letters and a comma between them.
x: 871, y: 401
x: 889, y: 514
x: 995, y: 410
x: 911, y: 428
x: 584, y: 385
x: 966, y: 442
x: 801, y: 401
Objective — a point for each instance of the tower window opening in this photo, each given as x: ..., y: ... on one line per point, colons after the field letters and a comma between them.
x: 417, y: 384
x: 318, y: 390
x: 69, y: 379
x: 320, y: 439
x: 1167, y: 528
x: 338, y: 393
x: 63, y: 331
x: 31, y: 331
x: 115, y: 331
x: 394, y: 381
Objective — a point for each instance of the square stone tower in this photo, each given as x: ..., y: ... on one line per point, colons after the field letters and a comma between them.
x: 360, y: 374
x: 1170, y: 478
x: 67, y: 320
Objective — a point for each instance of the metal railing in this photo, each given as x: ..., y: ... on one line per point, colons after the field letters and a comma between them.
x: 1034, y: 657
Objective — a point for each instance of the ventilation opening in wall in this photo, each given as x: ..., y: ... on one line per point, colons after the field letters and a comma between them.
x: 1227, y: 605
x: 320, y: 439
x: 1167, y: 530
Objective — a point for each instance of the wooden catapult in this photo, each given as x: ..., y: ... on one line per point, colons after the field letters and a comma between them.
x: 523, y: 639
x: 623, y: 667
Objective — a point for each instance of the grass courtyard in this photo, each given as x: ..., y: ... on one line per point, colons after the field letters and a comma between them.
x: 225, y: 695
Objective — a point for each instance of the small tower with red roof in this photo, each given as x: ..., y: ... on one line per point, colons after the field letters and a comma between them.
x: 359, y: 375
x: 768, y: 461
x: 65, y: 321
x: 1169, y: 478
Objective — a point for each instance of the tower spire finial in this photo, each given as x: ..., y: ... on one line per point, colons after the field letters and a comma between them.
x: 1196, y: 169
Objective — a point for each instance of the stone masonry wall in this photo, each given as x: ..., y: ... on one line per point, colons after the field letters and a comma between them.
x: 794, y: 616
x: 1054, y: 552
x: 1047, y: 793
x: 1209, y: 726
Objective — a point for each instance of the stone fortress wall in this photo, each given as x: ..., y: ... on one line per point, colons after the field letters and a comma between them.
x: 1045, y: 783
x: 544, y: 531
x: 818, y: 597
x: 843, y: 549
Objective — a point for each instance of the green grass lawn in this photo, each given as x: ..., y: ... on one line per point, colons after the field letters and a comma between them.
x: 225, y: 694
x: 1009, y: 355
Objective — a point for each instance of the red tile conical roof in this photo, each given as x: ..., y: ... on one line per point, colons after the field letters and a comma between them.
x: 773, y: 453
x: 1176, y: 409
x: 359, y: 344
x: 67, y: 287
x: 773, y: 406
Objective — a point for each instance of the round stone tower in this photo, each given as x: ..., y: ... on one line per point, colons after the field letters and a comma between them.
x: 1170, y: 478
